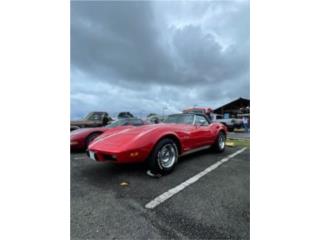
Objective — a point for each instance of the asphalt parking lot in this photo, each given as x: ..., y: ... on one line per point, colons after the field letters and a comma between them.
x: 217, y: 206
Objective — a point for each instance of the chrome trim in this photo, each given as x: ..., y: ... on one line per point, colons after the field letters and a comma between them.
x: 195, y: 150
x: 167, y: 156
x: 194, y: 120
x: 221, y: 142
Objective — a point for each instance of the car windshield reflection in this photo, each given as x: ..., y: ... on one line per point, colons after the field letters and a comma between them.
x: 179, y: 119
x: 117, y: 123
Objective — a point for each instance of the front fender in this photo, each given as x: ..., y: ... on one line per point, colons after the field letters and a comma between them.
x: 148, y: 141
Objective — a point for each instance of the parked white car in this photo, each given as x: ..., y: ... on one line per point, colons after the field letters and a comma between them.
x: 230, y: 123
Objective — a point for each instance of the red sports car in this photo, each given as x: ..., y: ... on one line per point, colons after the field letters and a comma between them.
x: 81, y: 138
x: 159, y: 145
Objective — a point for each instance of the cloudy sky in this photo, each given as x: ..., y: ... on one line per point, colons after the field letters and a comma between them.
x: 144, y: 56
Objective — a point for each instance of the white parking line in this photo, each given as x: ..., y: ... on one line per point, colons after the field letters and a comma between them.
x: 165, y: 196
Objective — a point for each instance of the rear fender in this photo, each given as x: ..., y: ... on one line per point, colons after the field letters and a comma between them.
x: 222, y: 128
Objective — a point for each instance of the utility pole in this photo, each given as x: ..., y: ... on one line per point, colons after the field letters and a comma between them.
x: 163, y: 108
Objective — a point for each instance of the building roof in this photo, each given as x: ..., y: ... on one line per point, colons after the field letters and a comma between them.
x: 236, y: 104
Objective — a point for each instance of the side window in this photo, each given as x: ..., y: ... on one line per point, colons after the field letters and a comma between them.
x: 200, y: 120
x: 96, y: 117
x: 188, y: 119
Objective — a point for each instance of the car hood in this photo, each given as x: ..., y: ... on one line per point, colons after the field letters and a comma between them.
x: 80, y: 122
x: 121, y: 139
x: 88, y: 130
x: 80, y: 131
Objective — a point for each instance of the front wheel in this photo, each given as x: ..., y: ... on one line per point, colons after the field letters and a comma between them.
x: 220, y: 144
x: 164, y: 157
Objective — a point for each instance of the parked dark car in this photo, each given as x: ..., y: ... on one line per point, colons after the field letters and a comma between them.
x: 93, y: 119
x: 125, y: 115
x: 154, y: 118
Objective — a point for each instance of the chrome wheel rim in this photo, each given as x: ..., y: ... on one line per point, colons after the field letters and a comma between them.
x: 167, y: 156
x: 221, y: 141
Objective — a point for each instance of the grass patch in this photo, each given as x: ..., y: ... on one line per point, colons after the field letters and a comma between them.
x: 239, y: 130
x: 237, y: 143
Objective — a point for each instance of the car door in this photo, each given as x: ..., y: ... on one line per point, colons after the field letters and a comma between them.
x: 201, y: 133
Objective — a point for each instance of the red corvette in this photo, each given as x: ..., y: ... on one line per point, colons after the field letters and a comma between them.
x: 159, y: 145
x: 81, y: 138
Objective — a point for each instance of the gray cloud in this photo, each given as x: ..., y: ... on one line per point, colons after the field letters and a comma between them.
x: 142, y: 56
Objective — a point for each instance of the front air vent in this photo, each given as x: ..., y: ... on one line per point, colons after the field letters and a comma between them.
x: 108, y: 157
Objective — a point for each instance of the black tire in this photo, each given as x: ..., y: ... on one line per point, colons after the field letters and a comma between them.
x: 230, y: 129
x: 105, y: 121
x: 155, y: 164
x: 217, y: 146
x: 90, y: 138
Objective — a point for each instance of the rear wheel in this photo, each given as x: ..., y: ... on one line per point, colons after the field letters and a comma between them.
x: 220, y: 144
x: 90, y: 138
x: 164, y: 157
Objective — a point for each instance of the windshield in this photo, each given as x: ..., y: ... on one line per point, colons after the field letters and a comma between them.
x: 117, y: 123
x: 94, y: 116
x: 179, y: 118
x: 198, y: 111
